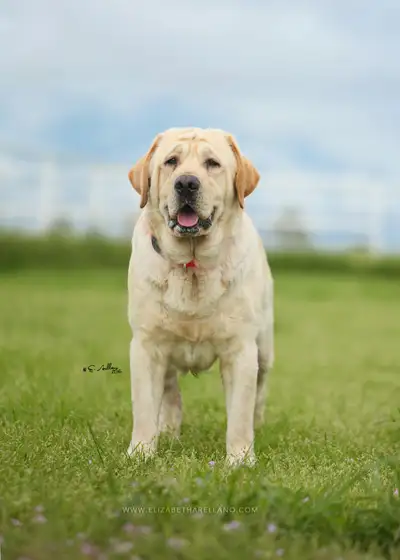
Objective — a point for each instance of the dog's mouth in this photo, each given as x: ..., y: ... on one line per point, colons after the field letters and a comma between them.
x: 188, y: 222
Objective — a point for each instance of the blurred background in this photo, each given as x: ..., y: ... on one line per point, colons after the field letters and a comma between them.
x: 310, y: 90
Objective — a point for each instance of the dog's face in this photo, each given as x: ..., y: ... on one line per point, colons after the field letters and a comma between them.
x: 192, y: 177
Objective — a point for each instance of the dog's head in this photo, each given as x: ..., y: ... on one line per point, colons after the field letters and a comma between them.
x: 192, y: 177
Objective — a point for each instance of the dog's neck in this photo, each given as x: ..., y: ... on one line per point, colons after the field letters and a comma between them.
x: 156, y: 246
x: 202, y: 253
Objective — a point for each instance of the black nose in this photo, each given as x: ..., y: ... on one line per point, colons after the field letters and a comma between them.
x: 187, y: 185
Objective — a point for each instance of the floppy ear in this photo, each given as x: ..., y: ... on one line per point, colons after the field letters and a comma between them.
x: 139, y: 174
x: 247, y: 176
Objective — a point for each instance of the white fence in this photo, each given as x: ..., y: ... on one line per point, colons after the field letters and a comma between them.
x: 329, y: 211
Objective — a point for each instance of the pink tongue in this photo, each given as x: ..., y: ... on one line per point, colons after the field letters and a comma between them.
x: 187, y: 219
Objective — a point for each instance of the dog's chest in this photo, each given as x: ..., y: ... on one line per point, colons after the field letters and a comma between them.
x: 193, y: 317
x: 198, y: 315
x: 193, y: 294
x: 194, y: 343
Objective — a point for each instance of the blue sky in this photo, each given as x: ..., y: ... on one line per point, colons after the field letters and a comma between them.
x: 304, y: 85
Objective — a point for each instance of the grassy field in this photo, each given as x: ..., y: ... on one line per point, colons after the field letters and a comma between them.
x: 327, y: 481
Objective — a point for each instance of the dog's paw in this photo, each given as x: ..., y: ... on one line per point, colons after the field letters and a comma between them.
x: 141, y: 450
x: 242, y: 459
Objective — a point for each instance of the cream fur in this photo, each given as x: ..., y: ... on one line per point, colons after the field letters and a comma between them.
x: 185, y: 319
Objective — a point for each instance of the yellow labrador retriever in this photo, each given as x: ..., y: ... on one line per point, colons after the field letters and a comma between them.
x: 200, y: 288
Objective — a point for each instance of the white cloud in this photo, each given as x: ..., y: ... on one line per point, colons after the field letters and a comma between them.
x: 285, y: 76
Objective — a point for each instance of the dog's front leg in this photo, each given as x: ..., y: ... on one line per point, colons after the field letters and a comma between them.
x: 147, y: 386
x: 239, y: 372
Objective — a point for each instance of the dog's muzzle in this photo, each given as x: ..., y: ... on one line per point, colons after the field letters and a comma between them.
x: 187, y: 221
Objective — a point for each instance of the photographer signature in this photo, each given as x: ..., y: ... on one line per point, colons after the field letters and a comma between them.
x: 108, y: 367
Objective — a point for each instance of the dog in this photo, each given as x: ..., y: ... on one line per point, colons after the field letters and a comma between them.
x: 199, y: 287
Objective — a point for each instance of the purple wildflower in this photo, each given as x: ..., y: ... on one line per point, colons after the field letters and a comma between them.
x: 144, y: 529
x: 271, y: 528
x: 16, y: 522
x: 129, y: 528
x: 176, y: 543
x: 122, y: 547
x: 39, y: 518
x: 232, y: 525
x: 87, y: 549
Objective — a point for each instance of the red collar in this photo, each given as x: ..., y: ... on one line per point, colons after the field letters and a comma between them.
x: 191, y: 264
x: 156, y: 247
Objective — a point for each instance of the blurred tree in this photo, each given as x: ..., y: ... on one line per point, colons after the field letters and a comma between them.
x: 290, y: 232
x: 94, y: 233
x: 61, y: 227
x: 359, y: 248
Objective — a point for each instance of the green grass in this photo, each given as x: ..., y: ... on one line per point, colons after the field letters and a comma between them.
x: 328, y: 454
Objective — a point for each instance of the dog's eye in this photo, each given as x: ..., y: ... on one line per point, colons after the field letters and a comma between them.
x: 173, y: 161
x: 212, y: 163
